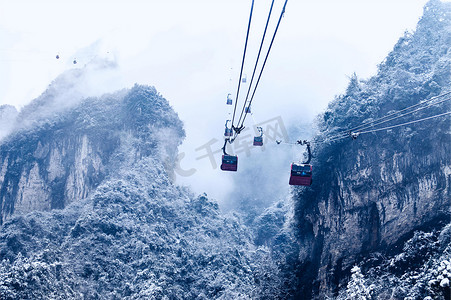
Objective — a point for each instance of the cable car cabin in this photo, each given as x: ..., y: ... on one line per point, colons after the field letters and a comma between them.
x: 229, y: 163
x: 258, y: 141
x: 248, y: 109
x: 244, y: 78
x: 301, y: 174
x: 228, y: 132
x: 229, y: 99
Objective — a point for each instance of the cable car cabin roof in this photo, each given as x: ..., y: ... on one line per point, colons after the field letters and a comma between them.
x: 301, y: 169
x: 229, y: 163
x: 258, y: 138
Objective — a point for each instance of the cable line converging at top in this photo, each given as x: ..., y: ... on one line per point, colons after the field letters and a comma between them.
x: 301, y: 173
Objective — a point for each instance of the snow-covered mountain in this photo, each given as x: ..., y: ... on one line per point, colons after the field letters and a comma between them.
x: 374, y: 192
x: 89, y: 209
x: 60, y: 153
x: 136, y: 237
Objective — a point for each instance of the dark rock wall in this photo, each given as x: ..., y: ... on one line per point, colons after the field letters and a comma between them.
x: 371, y: 192
x: 64, y: 155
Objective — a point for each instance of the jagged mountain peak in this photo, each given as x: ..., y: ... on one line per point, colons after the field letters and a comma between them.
x: 89, y: 210
x: 68, y: 90
x: 63, y: 155
x: 122, y: 228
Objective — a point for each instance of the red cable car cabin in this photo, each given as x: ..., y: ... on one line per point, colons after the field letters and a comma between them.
x: 258, y: 141
x: 228, y: 132
x: 229, y: 163
x: 301, y: 174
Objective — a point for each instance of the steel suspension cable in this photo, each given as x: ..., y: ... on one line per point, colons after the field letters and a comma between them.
x: 266, y: 58
x: 407, y: 123
x: 345, y: 134
x: 394, y: 118
x: 242, y: 63
x: 381, y: 120
x: 337, y: 138
x: 372, y: 124
x: 256, y: 61
x: 396, y: 112
x: 402, y: 115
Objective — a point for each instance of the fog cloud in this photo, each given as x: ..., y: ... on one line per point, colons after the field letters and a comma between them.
x: 191, y: 52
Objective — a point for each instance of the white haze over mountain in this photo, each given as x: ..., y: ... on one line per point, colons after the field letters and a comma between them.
x: 191, y: 52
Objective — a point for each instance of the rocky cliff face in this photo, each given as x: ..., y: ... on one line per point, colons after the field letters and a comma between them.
x: 373, y: 192
x: 59, y: 153
x: 122, y: 229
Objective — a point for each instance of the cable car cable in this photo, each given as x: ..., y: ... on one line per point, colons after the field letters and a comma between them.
x: 368, y: 131
x: 266, y: 58
x: 351, y: 132
x: 399, y: 116
x: 242, y: 63
x: 372, y: 124
x: 256, y: 61
x: 381, y: 129
x: 337, y: 138
x: 396, y: 112
x: 403, y: 124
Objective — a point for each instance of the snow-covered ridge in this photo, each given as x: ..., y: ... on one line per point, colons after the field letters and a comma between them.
x: 89, y: 210
x: 375, y: 191
x: 63, y: 154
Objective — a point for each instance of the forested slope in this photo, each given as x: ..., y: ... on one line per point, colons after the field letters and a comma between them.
x: 374, y: 192
x: 90, y: 210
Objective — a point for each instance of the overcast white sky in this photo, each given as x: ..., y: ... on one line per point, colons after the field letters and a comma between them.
x: 189, y: 50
